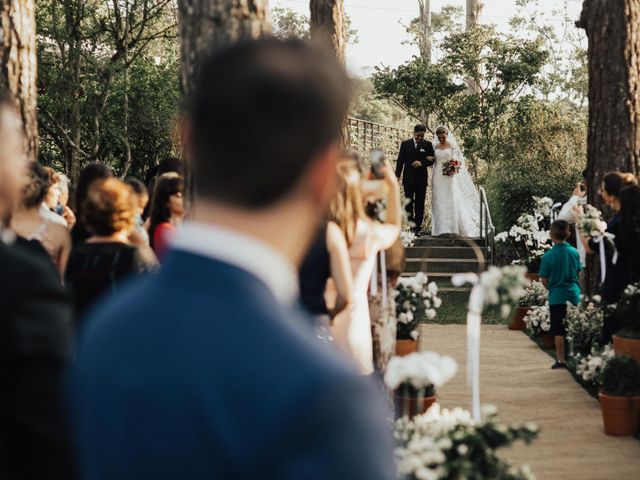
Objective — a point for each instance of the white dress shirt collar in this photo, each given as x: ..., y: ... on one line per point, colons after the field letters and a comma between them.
x: 244, y: 252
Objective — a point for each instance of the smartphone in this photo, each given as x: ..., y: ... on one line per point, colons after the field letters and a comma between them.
x: 377, y: 163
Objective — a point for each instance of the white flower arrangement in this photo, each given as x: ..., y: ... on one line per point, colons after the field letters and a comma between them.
x: 527, y: 238
x: 543, y: 206
x: 442, y: 443
x: 416, y: 300
x: 408, y: 238
x: 538, y: 319
x: 420, y: 370
x: 534, y: 295
x: 590, y: 368
x: 590, y: 222
x: 584, y: 325
x: 502, y: 287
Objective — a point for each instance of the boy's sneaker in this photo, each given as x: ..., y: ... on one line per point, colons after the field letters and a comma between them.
x: 558, y: 365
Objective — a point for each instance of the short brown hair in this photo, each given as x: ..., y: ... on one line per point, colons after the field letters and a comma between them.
x: 560, y: 231
x: 108, y: 207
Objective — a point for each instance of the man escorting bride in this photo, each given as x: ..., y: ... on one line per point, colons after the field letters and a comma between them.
x: 455, y: 204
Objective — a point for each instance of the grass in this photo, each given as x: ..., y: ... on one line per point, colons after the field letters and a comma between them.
x: 454, y: 310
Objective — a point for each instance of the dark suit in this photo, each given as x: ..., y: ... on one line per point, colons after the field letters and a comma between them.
x: 199, y: 373
x: 415, y: 180
x: 35, y: 341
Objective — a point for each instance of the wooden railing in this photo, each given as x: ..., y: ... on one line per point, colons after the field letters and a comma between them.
x: 366, y: 136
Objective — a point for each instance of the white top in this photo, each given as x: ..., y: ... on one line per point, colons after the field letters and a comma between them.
x: 47, y: 214
x: 244, y: 252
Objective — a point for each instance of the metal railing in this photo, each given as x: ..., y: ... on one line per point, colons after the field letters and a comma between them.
x: 365, y: 136
x: 487, y: 230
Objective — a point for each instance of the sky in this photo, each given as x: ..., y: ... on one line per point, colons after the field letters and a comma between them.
x: 381, y: 34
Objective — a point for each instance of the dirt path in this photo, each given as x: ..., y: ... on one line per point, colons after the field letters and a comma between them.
x: 516, y: 377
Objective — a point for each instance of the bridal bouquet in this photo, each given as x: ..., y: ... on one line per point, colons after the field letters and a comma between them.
x: 590, y: 222
x: 442, y: 444
x: 450, y: 168
x: 416, y: 300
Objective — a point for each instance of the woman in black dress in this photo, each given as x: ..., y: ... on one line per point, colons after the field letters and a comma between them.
x: 99, y: 265
x: 615, y: 193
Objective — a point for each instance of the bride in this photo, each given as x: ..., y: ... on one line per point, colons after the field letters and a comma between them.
x: 455, y: 205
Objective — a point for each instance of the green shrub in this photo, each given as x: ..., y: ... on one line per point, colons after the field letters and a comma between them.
x: 621, y: 377
x: 627, y: 311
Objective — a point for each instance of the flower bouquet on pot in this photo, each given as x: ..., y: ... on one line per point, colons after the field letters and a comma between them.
x: 590, y: 367
x: 447, y: 444
x: 584, y: 325
x: 535, y: 295
x: 415, y: 378
x: 620, y: 396
x: 416, y: 302
x: 627, y: 313
x: 527, y: 242
x: 538, y: 324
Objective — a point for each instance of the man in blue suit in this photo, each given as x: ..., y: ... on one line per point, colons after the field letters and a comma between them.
x: 209, y: 369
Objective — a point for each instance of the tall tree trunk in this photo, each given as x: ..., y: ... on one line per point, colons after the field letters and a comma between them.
x: 328, y: 30
x: 613, y: 32
x: 18, y: 67
x: 474, y: 14
x: 426, y: 35
x: 208, y: 24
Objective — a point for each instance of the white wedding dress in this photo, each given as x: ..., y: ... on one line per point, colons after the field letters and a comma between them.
x: 455, y: 203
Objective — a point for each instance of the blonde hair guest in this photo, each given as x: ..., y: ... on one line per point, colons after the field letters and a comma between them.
x: 365, y: 238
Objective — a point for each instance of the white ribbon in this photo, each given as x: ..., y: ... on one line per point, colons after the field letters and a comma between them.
x: 383, y: 274
x: 474, y: 321
x: 373, y: 287
x: 603, y: 259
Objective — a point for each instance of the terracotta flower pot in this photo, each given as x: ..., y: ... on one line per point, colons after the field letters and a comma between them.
x: 411, y: 406
x: 627, y: 346
x: 534, y: 277
x: 621, y: 415
x: 405, y: 347
x: 517, y: 321
x: 548, y: 341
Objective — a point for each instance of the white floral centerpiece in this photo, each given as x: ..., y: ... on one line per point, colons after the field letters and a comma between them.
x: 528, y: 240
x: 408, y: 238
x: 534, y: 295
x: 590, y: 367
x: 538, y: 320
x: 584, y: 325
x: 420, y: 372
x: 543, y: 206
x: 445, y: 444
x: 590, y: 222
x: 416, y: 301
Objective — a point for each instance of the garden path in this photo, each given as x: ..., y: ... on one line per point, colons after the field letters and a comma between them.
x: 516, y: 377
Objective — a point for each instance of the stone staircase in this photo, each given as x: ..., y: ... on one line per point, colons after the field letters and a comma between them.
x: 441, y: 258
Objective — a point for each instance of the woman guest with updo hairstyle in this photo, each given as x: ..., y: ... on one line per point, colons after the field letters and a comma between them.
x: 167, y: 212
x: 99, y: 265
x: 28, y: 221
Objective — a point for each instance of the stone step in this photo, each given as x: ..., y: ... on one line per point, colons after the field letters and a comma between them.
x: 448, y: 242
x: 443, y: 265
x: 441, y: 252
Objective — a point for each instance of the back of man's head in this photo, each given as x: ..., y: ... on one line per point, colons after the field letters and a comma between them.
x: 262, y: 111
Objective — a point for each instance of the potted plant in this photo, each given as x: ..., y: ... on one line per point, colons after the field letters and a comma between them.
x: 584, y: 326
x: 627, y: 313
x: 538, y: 324
x: 535, y: 295
x: 620, y: 396
x: 529, y: 238
x: 414, y: 379
x: 589, y: 368
x: 416, y: 301
x: 449, y: 444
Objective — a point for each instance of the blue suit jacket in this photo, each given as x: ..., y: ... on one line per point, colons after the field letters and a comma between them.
x: 197, y: 372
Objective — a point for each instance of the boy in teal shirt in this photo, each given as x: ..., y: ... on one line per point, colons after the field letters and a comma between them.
x: 560, y: 272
